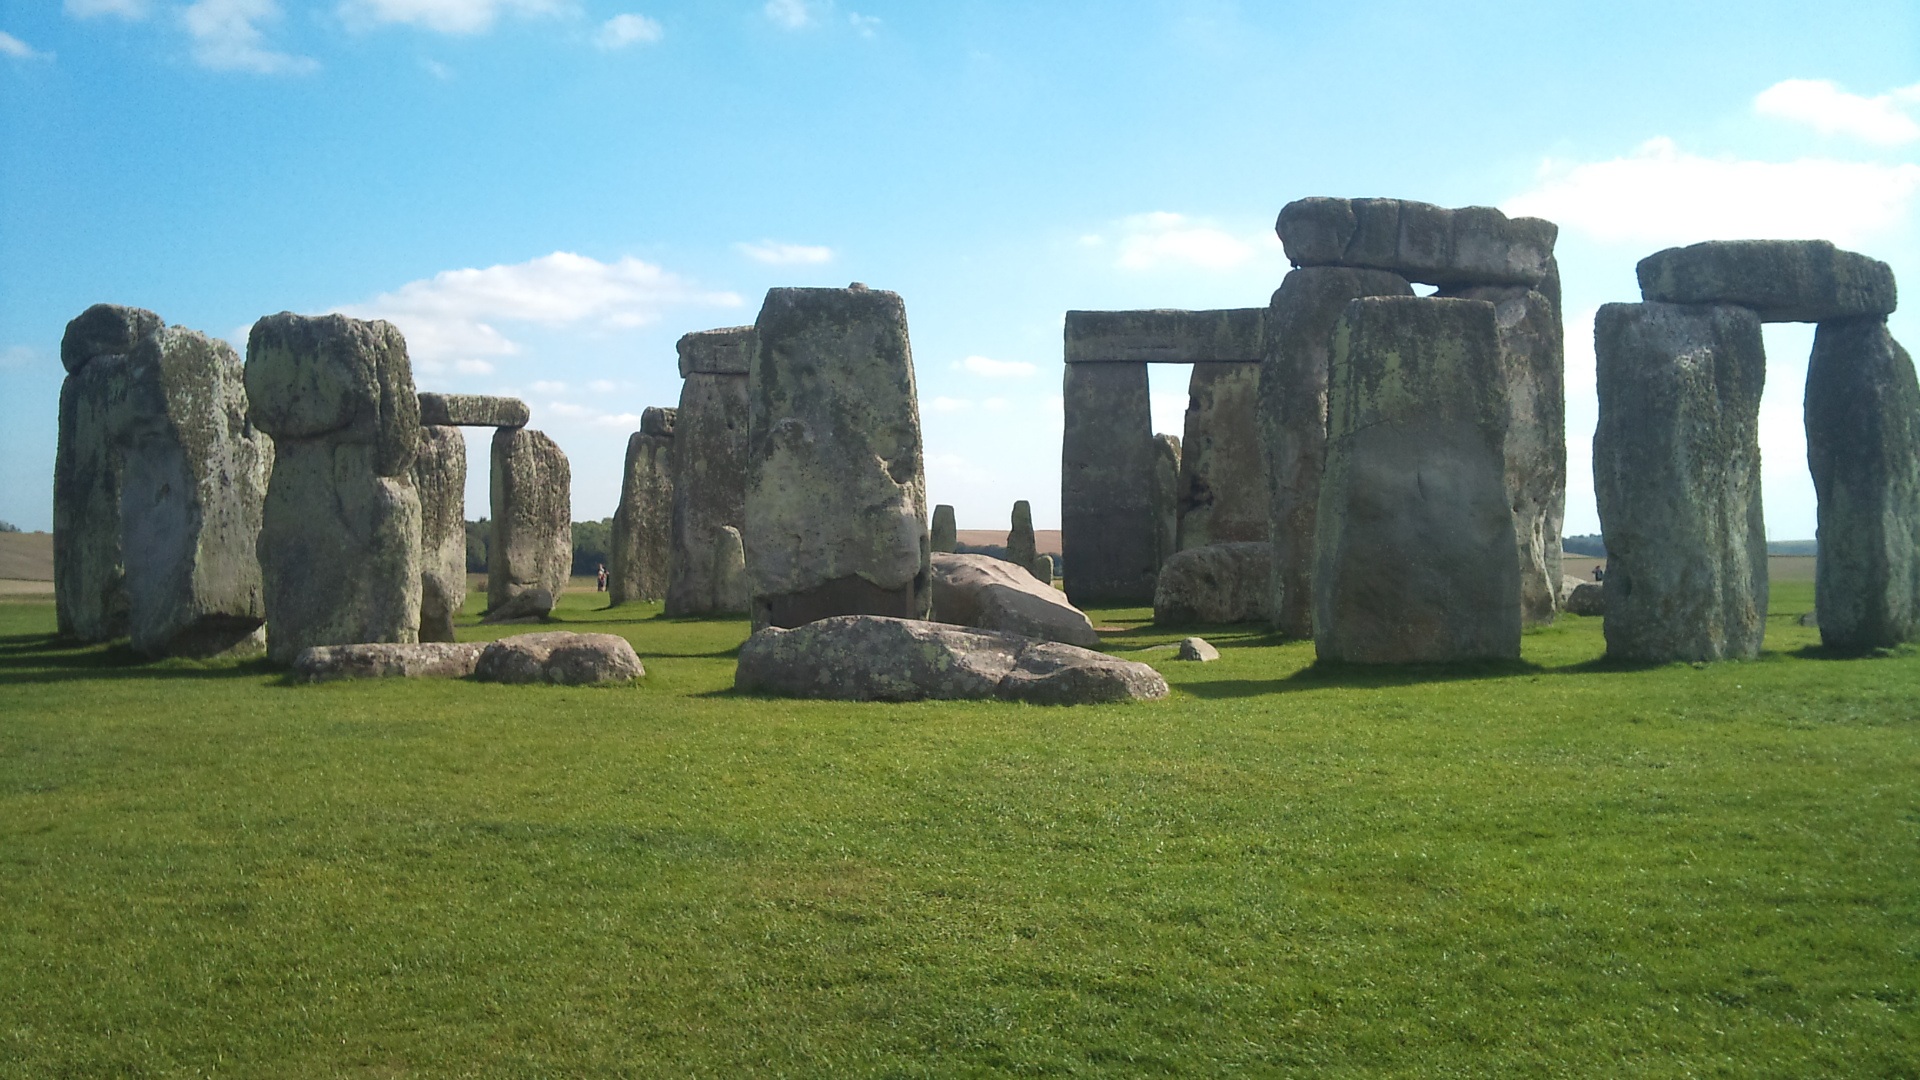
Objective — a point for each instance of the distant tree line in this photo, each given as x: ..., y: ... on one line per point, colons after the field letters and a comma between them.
x: 8, y: 526
x: 1589, y: 545
x: 592, y: 542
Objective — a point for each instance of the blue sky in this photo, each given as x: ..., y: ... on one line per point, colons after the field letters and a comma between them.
x: 544, y: 194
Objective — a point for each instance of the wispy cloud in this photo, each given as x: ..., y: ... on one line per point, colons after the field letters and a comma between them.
x: 989, y: 368
x: 18, y: 357
x: 776, y: 254
x: 1660, y: 194
x: 436, y: 69
x: 1160, y: 239
x: 227, y: 37
x: 864, y: 25
x: 123, y: 9
x: 444, y: 16
x: 622, y: 31
x: 950, y: 404
x: 13, y: 48
x: 1821, y: 104
x: 792, y: 14
x: 582, y: 414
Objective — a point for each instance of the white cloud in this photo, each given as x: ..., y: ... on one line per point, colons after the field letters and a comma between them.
x: 792, y: 14
x: 451, y: 316
x: 864, y: 25
x: 18, y: 357
x: 988, y: 368
x: 1150, y: 241
x: 1662, y: 195
x: 950, y: 405
x: 124, y: 9
x: 603, y: 386
x: 1823, y: 106
x: 473, y: 367
x: 436, y: 69
x: 546, y: 386
x: 624, y: 30
x: 444, y: 16
x: 775, y: 254
x: 952, y: 470
x: 581, y: 414
x: 226, y: 37
x: 996, y: 404
x: 11, y: 46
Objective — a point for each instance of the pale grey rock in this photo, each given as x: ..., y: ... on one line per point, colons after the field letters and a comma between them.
x: 1222, y: 495
x: 440, y: 479
x: 1863, y: 446
x: 733, y: 593
x: 992, y: 594
x: 1219, y: 583
x: 643, y: 522
x: 1587, y: 598
x: 105, y: 330
x: 873, y: 658
x: 1109, y: 532
x: 1231, y: 335
x: 1197, y: 649
x: 1415, y: 554
x: 1676, y: 472
x: 1021, y: 546
x: 473, y: 410
x: 709, y: 490
x: 1293, y: 422
x: 561, y: 657
x: 340, y: 533
x: 420, y: 660
x: 946, y: 535
x: 526, y: 606
x: 1472, y: 245
x: 531, y: 490
x: 836, y: 505
x: 1165, y: 493
x: 1782, y: 280
x: 726, y: 351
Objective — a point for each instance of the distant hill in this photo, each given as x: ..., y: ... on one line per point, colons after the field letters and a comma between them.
x: 26, y: 556
x: 1593, y: 547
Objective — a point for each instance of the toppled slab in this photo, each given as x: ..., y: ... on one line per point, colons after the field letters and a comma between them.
x: 992, y: 594
x: 1473, y: 245
x: 876, y: 658
x: 1218, y: 583
x: 1783, y: 280
x: 473, y: 410
x: 1587, y: 598
x: 561, y: 657
x: 529, y: 605
x: 417, y: 660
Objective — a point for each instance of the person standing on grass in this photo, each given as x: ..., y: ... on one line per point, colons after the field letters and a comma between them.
x: 603, y: 577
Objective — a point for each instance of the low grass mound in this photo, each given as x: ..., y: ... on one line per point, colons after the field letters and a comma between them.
x: 1552, y: 867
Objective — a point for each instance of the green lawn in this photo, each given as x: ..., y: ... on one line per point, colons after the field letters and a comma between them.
x: 1558, y: 868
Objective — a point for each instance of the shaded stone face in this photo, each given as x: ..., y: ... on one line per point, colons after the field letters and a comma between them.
x: 105, y: 330
x: 709, y: 493
x: 89, y: 582
x: 658, y: 420
x: 836, y: 511
x: 1222, y: 494
x: 1676, y: 473
x: 440, y: 479
x: 328, y: 375
x: 946, y: 535
x: 532, y: 495
x: 1473, y: 245
x: 1415, y: 554
x: 1863, y: 446
x: 1109, y: 534
x: 472, y: 410
x: 1165, y: 494
x: 1782, y: 280
x: 1219, y: 583
x: 1293, y: 422
x: 643, y: 522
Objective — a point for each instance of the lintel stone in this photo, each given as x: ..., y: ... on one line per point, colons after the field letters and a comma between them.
x: 1166, y: 336
x: 726, y: 351
x: 472, y: 410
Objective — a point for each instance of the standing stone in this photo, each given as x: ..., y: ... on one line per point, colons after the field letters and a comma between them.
x: 1167, y: 455
x: 1223, y: 493
x: 710, y: 472
x: 732, y: 592
x: 946, y: 536
x: 1293, y: 422
x: 1676, y: 474
x: 1863, y: 446
x: 1042, y: 568
x: 1021, y: 547
x: 1416, y: 560
x: 531, y: 491
x: 1109, y: 517
x: 440, y: 478
x: 340, y: 535
x: 836, y: 483
x: 643, y: 522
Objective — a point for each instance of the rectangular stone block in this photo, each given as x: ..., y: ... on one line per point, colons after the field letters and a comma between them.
x: 440, y: 479
x: 1223, y: 496
x: 1108, y: 533
x: 643, y: 522
x: 726, y: 351
x: 473, y: 410
x: 1165, y: 337
x: 709, y: 496
x: 1783, y: 280
x: 1471, y: 245
x: 531, y: 491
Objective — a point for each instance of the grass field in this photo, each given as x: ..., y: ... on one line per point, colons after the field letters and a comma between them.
x: 1554, y: 868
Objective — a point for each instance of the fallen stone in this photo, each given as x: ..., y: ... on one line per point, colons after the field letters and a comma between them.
x: 643, y: 522
x: 1587, y: 598
x: 561, y: 657
x: 473, y: 410
x: 1473, y: 245
x: 946, y: 535
x: 532, y: 496
x: 710, y: 473
x: 1222, y: 496
x: 992, y: 594
x: 1219, y: 583
x: 1782, y: 280
x: 527, y: 605
x: 1568, y: 583
x: 1198, y: 648
x: 440, y: 478
x: 874, y: 658
x: 419, y: 660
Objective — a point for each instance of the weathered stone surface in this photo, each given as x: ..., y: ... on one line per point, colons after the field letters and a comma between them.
x: 1197, y: 649
x: 726, y: 351
x: 709, y: 493
x: 1587, y: 598
x: 1021, y: 547
x: 1472, y: 245
x: 473, y: 410
x: 992, y: 594
x: 531, y: 490
x: 1165, y: 337
x: 872, y: 658
x: 561, y: 657
x: 643, y: 522
x: 1042, y: 569
x: 1863, y: 446
x: 89, y: 581
x: 1223, y: 493
x: 836, y: 486
x: 1109, y: 534
x: 340, y: 536
x: 420, y: 660
x: 105, y: 330
x: 440, y: 479
x: 1293, y: 422
x: 1416, y: 559
x: 1219, y: 583
x: 658, y: 420
x: 946, y: 535
x: 1676, y: 473
x: 525, y: 606
x: 1165, y: 495
x: 733, y: 593
x: 1783, y: 280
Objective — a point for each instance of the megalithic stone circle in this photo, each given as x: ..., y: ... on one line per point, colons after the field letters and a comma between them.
x: 710, y: 473
x: 531, y: 491
x: 643, y: 522
x: 1676, y: 473
x: 440, y: 478
x: 340, y: 536
x: 836, y: 487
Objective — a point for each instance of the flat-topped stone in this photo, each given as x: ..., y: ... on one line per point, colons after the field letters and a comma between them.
x: 414, y: 660
x: 1783, y: 280
x: 726, y: 351
x: 561, y: 657
x: 993, y: 594
x: 1165, y: 336
x: 1471, y: 245
x: 473, y: 410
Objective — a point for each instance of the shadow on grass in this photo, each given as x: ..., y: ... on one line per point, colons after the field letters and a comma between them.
x: 48, y: 658
x: 1327, y: 675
